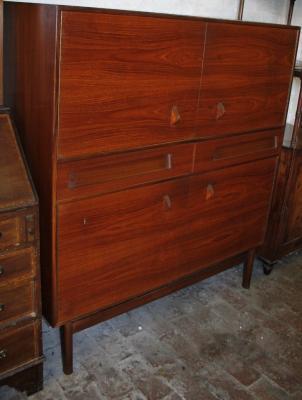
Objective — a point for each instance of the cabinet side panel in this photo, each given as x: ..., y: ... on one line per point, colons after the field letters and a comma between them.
x: 30, y: 91
x: 1, y: 52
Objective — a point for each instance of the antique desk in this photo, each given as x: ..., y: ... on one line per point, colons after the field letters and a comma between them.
x: 20, y: 306
x: 153, y: 141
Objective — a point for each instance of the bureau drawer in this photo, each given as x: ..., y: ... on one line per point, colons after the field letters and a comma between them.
x: 11, y: 232
x: 219, y: 153
x: 17, y: 347
x: 17, y: 228
x: 112, y: 173
x: 120, y: 245
x: 16, y: 301
x: 17, y: 264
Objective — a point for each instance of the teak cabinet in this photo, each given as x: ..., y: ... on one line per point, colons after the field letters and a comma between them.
x: 153, y: 141
x: 20, y: 305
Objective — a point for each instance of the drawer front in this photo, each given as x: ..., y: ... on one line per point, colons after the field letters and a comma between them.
x: 17, y: 347
x: 17, y: 264
x: 16, y: 301
x: 18, y: 228
x: 117, y: 246
x: 246, y: 78
x: 112, y: 173
x: 219, y: 153
x: 127, y: 81
x: 11, y: 232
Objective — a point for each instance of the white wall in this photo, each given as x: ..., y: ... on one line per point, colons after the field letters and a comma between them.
x: 208, y: 8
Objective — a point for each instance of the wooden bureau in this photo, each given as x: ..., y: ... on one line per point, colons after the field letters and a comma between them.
x: 20, y: 308
x: 153, y: 141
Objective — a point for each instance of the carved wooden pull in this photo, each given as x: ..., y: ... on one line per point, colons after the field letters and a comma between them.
x: 169, y: 161
x: 210, y: 191
x: 175, y: 116
x: 220, y: 110
x: 167, y: 202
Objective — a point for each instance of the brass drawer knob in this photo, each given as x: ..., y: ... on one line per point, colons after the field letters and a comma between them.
x: 2, y: 307
x: 3, y: 354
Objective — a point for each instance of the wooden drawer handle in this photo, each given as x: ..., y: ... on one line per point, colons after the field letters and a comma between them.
x: 220, y: 110
x: 3, y: 354
x: 1, y: 235
x: 175, y: 116
x: 169, y: 161
x: 167, y: 202
x: 210, y: 191
x: 2, y: 307
x: 1, y: 270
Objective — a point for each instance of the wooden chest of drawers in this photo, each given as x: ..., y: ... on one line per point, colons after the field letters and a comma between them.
x: 154, y: 150
x: 20, y: 310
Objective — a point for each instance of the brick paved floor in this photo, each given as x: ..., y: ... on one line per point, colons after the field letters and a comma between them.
x: 211, y: 341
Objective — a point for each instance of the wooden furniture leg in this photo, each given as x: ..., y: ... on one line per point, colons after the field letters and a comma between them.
x: 67, y: 347
x: 248, y: 269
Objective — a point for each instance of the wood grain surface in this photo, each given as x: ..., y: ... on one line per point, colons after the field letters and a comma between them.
x: 127, y: 81
x: 247, y: 69
x: 140, y: 239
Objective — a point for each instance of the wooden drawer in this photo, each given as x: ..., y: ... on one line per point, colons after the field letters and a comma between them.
x: 219, y: 153
x: 17, y: 228
x: 112, y: 173
x: 17, y: 301
x: 11, y: 232
x: 137, y: 240
x: 17, y: 264
x: 127, y: 81
x: 246, y: 78
x: 18, y: 346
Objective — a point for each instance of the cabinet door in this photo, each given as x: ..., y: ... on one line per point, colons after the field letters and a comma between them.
x: 246, y: 78
x: 112, y: 247
x: 117, y: 246
x: 127, y: 81
x: 228, y: 212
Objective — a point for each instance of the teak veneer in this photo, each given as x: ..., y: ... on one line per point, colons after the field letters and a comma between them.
x: 153, y: 141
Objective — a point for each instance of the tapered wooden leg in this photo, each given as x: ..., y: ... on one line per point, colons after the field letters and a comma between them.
x: 67, y: 348
x: 248, y: 269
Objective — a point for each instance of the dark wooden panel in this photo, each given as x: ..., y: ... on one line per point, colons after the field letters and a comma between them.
x: 17, y: 346
x: 29, y: 380
x: 294, y: 203
x: 127, y: 81
x: 160, y: 232
x: 246, y: 78
x: 15, y: 188
x: 1, y: 52
x: 112, y: 173
x: 30, y: 86
x: 213, y: 154
x: 17, y: 301
x: 17, y: 264
x: 11, y: 232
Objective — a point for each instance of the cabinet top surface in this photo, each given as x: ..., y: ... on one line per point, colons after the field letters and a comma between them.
x: 15, y: 186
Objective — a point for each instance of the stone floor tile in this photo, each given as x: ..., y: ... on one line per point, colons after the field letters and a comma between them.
x: 223, y: 386
x: 264, y: 389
